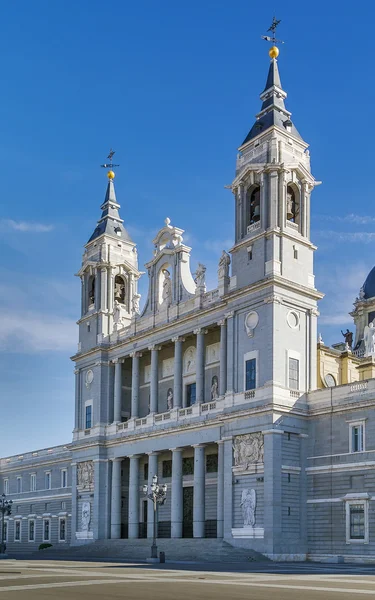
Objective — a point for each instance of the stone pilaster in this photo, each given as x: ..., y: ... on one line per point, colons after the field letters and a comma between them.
x: 77, y: 420
x: 135, y: 384
x: 223, y: 357
x: 200, y: 362
x: 152, y: 470
x: 134, y: 496
x: 228, y: 488
x: 230, y: 351
x: 177, y: 494
x: 199, y: 492
x: 220, y: 490
x: 116, y: 499
x: 117, y: 391
x: 177, y: 384
x: 154, y: 384
x: 272, y: 491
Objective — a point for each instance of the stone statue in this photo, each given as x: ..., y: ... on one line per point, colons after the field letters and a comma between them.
x: 214, y: 388
x: 224, y: 263
x: 167, y: 288
x: 85, y: 474
x: 248, y: 450
x: 170, y: 399
x: 369, y: 339
x: 361, y: 293
x: 86, y: 516
x: 116, y: 313
x: 135, y: 304
x: 348, y: 335
x: 200, y: 276
x: 248, y: 504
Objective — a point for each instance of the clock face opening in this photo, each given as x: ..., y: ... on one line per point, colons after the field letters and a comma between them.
x: 330, y: 381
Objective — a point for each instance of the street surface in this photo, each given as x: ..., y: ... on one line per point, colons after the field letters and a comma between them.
x: 70, y: 580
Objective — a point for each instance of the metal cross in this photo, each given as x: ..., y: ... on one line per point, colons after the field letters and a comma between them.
x: 272, y: 38
x: 110, y: 165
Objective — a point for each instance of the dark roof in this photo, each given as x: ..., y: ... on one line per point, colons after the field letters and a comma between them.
x: 369, y: 285
x: 110, y: 222
x: 273, y: 111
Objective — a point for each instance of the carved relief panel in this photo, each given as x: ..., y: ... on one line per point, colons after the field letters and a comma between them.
x: 248, y: 451
x: 85, y: 475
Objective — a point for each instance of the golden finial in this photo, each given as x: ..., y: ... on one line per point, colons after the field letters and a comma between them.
x: 273, y: 51
x: 111, y: 174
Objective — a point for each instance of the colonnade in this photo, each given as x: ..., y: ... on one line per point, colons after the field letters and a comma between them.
x: 175, y: 491
x: 178, y: 373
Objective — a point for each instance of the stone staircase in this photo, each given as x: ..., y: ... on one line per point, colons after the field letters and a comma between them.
x: 186, y: 549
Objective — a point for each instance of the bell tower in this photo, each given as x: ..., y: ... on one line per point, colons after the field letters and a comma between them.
x: 272, y: 191
x: 109, y: 274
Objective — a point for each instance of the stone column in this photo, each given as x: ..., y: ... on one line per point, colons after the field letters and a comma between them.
x: 223, y: 358
x: 177, y: 494
x: 134, y: 496
x: 303, y: 440
x: 272, y: 491
x: 177, y: 380
x: 135, y: 384
x: 83, y: 296
x: 230, y: 351
x: 117, y: 391
x: 77, y: 420
x: 199, y: 492
x: 228, y: 487
x: 220, y: 490
x: 103, y: 288
x: 154, y: 383
x: 110, y: 300
x: 152, y: 470
x: 200, y: 362
x: 74, y: 517
x: 116, y: 499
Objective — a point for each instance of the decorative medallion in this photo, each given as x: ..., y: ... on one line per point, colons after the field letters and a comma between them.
x: 292, y: 319
x: 89, y: 377
x: 329, y: 380
x: 251, y: 321
x: 248, y: 450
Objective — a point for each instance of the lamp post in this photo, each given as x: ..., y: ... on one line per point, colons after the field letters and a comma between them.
x: 5, y: 509
x: 158, y: 494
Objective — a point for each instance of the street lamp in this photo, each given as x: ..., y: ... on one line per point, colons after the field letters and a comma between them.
x: 158, y: 495
x: 5, y: 509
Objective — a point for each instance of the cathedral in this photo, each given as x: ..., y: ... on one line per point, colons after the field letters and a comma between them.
x: 263, y: 435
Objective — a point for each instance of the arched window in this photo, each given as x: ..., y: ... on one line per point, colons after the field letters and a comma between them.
x: 91, y: 290
x: 253, y: 201
x: 119, y: 289
x: 292, y: 205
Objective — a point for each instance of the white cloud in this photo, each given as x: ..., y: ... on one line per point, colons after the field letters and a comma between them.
x: 217, y: 246
x: 24, y: 226
x: 351, y: 236
x: 36, y: 332
x: 351, y: 218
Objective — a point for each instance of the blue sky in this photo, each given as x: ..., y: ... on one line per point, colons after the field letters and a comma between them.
x: 173, y: 88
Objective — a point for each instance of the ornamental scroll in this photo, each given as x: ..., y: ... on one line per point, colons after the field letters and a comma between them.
x: 85, y: 475
x: 248, y: 450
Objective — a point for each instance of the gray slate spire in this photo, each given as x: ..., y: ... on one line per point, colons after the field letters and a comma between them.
x: 273, y: 111
x: 110, y: 222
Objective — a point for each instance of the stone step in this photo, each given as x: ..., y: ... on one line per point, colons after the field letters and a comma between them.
x: 202, y: 550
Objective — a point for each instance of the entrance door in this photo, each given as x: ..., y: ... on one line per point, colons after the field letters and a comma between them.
x: 143, y: 524
x: 188, y: 502
x: 191, y: 394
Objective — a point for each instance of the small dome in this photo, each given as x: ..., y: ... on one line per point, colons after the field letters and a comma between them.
x: 369, y: 285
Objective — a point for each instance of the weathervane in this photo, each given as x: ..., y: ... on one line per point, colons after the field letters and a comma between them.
x: 272, y: 38
x: 110, y: 165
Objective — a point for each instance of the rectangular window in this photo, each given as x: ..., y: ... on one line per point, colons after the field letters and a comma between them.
x: 167, y: 468
x: 62, y: 530
x: 188, y: 465
x: 64, y: 478
x: 46, y: 530
x: 47, y: 481
x: 293, y: 374
x: 356, y: 441
x: 32, y: 482
x: 211, y: 463
x: 32, y: 531
x: 19, y: 485
x: 357, y: 521
x: 88, y: 416
x: 250, y: 367
x: 17, y: 531
x: 6, y: 486
x: 63, y: 505
x: 191, y: 394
